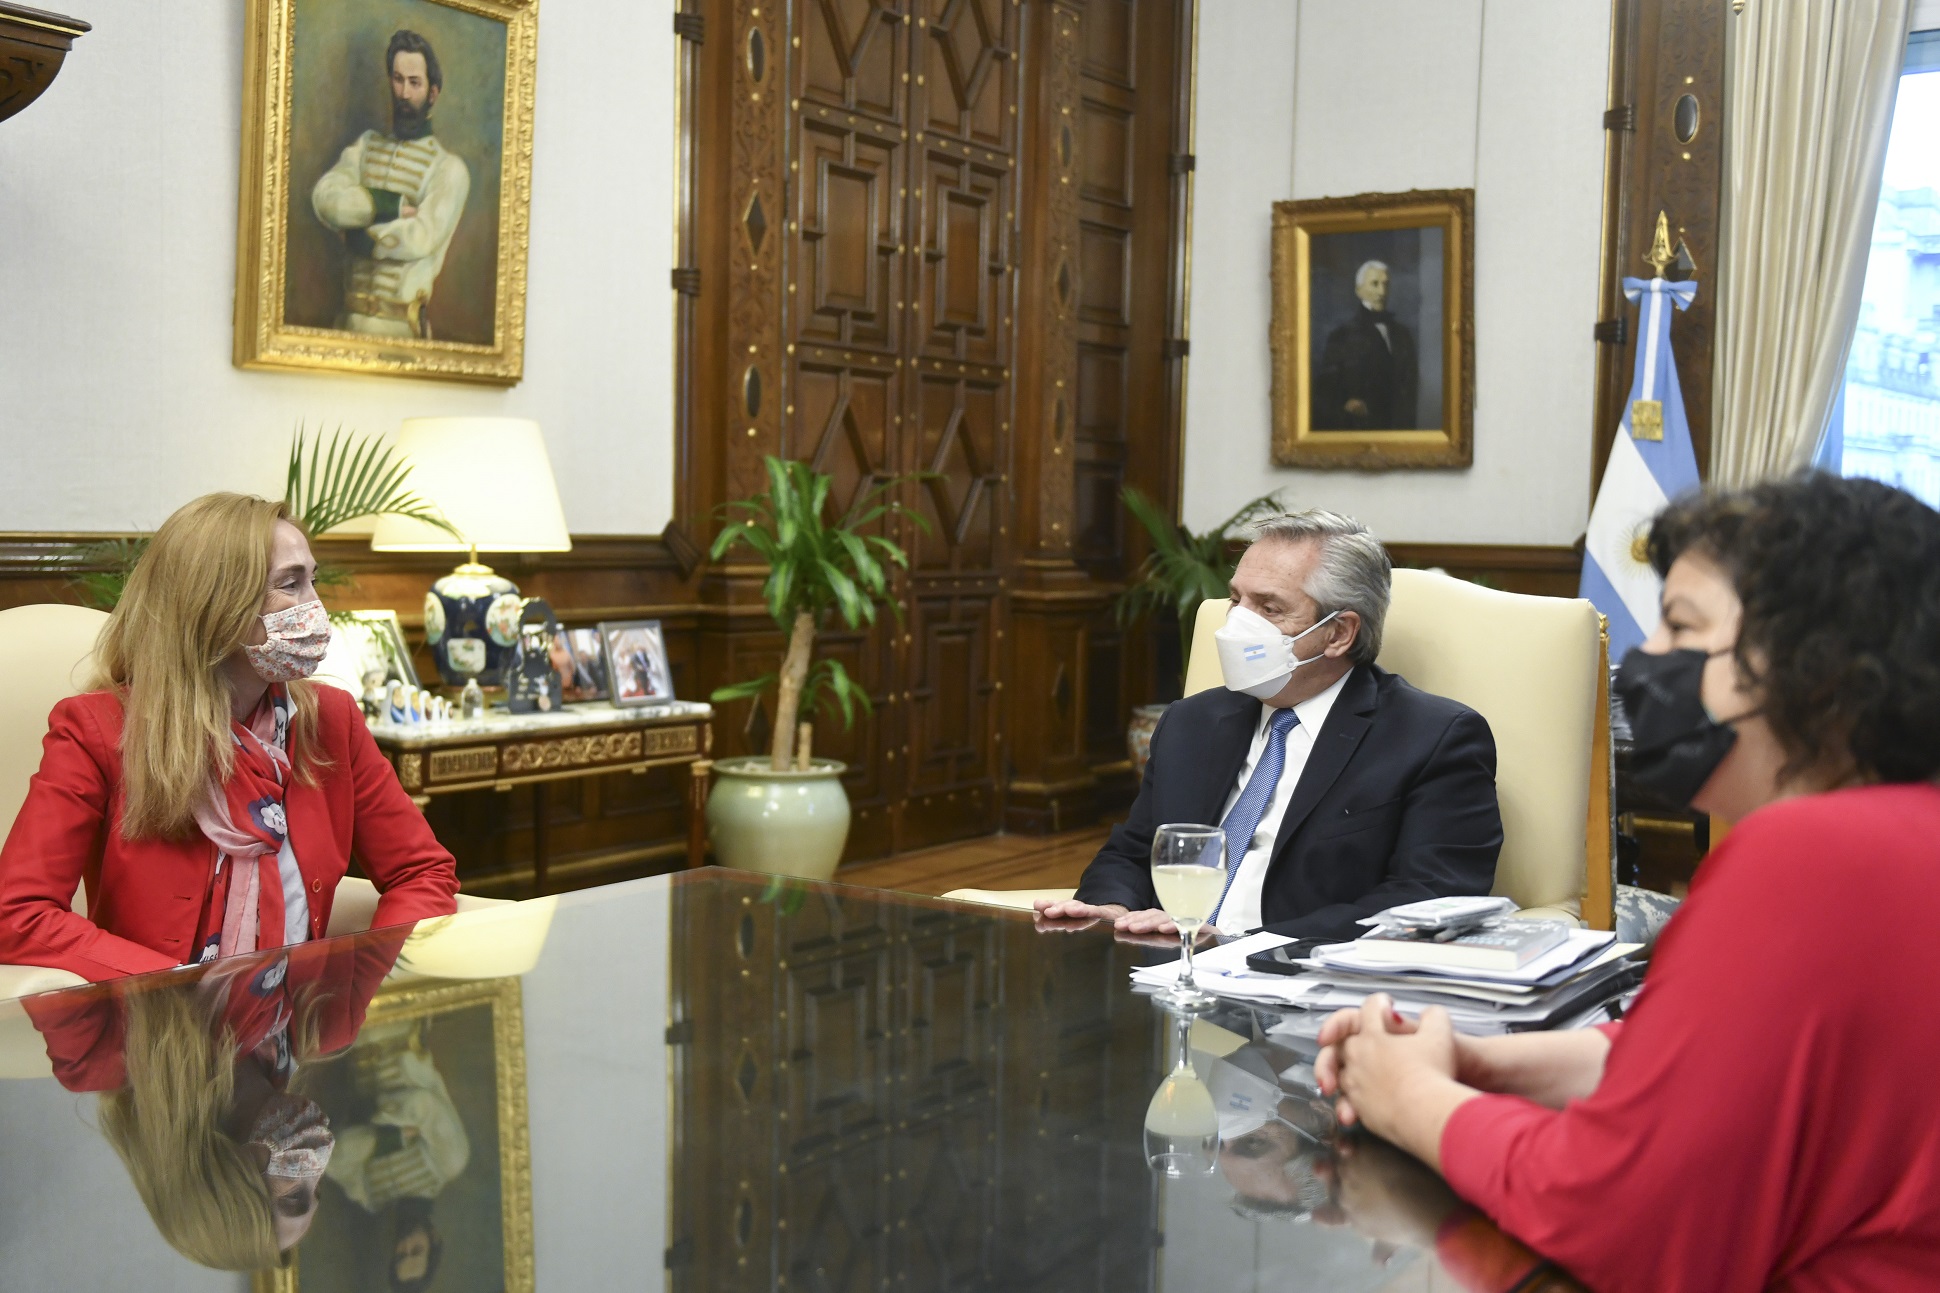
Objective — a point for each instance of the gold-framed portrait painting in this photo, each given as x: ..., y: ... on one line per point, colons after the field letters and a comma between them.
x: 386, y: 185
x: 428, y: 1185
x: 1373, y: 331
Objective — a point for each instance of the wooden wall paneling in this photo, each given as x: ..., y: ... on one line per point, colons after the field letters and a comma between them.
x: 1049, y: 783
x: 1663, y: 50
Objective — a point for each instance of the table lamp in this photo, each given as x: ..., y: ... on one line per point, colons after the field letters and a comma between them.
x: 492, y: 480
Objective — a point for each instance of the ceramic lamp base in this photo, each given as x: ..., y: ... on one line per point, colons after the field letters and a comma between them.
x: 471, y: 621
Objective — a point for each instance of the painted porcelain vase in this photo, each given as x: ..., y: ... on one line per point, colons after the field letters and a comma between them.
x: 471, y: 623
x: 782, y: 823
x: 1138, y: 735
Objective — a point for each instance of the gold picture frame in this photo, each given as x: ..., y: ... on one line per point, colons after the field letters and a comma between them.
x: 1354, y: 388
x: 458, y: 317
x: 428, y: 1003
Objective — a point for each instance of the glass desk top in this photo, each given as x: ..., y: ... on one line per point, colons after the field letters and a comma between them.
x: 709, y: 1081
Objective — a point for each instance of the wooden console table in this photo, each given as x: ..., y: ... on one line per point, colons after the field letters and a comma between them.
x: 503, y: 751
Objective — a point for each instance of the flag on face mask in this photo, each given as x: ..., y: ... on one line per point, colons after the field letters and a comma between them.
x: 1651, y: 463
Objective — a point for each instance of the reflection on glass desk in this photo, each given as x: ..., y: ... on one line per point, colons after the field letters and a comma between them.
x: 708, y: 1081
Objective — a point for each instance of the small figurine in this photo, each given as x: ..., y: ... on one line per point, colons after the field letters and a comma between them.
x: 399, y: 710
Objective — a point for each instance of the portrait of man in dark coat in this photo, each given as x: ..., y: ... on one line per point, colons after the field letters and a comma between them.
x: 1368, y: 372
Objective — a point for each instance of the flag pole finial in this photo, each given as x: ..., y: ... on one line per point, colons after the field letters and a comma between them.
x: 1661, y: 254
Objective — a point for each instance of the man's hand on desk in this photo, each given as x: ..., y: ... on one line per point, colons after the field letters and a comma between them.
x: 1149, y: 926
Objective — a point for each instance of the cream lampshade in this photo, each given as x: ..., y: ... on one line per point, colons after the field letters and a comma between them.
x: 493, y: 481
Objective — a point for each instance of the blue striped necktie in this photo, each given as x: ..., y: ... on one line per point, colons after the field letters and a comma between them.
x: 1251, y: 804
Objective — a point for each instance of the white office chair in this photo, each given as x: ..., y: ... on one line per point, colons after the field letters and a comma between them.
x: 1537, y: 669
x: 46, y: 655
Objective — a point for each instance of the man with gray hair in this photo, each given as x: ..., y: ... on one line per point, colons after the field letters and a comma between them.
x: 1341, y: 789
x: 1368, y: 373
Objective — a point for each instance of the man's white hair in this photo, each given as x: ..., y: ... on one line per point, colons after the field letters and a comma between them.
x: 1368, y: 267
x: 1354, y: 573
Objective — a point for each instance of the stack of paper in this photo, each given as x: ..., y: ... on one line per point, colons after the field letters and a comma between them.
x: 1565, y: 986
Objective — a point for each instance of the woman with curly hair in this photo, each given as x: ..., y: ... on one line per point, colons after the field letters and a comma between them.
x: 1763, y: 1117
x: 206, y: 793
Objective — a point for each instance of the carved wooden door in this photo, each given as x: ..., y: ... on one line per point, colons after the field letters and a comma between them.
x: 901, y: 198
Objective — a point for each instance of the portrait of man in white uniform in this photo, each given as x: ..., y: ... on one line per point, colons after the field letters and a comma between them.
x: 396, y: 200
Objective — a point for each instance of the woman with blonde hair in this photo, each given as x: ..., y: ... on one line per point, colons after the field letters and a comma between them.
x: 206, y: 793
x: 202, y: 1087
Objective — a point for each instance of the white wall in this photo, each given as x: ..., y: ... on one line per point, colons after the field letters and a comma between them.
x: 1329, y: 98
x: 118, y: 401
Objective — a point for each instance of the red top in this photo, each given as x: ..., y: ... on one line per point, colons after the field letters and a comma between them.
x: 145, y: 897
x: 1766, y: 1117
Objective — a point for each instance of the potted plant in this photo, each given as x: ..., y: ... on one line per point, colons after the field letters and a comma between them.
x: 1182, y: 570
x: 328, y: 483
x: 786, y: 813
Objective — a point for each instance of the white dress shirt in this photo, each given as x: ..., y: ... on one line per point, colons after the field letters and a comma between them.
x: 1241, y: 910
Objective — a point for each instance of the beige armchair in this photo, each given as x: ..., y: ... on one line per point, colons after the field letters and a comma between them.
x: 46, y: 656
x: 1537, y: 668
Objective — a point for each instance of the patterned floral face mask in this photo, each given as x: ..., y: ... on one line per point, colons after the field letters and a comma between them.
x: 297, y: 639
x: 297, y: 1135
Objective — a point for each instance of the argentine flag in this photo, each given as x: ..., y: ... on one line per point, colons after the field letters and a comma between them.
x: 1642, y: 476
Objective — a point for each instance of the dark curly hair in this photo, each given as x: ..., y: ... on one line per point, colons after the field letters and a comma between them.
x: 1840, y: 581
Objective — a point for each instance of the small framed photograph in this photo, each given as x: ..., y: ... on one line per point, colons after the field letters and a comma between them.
x: 636, y: 660
x: 367, y: 651
x: 580, y: 657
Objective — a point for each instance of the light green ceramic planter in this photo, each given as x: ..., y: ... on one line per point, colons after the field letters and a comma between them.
x: 782, y: 823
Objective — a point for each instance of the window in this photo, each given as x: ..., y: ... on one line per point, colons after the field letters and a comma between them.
x: 1885, y: 422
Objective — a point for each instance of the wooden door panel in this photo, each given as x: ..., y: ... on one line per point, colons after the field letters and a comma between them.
x: 1102, y: 372
x: 961, y: 434
x: 872, y: 781
x: 1105, y: 291
x: 968, y: 69
x: 844, y: 416
x: 949, y: 708
x: 1110, y: 34
x: 1106, y: 156
x: 963, y: 207
x: 852, y: 55
x: 850, y: 223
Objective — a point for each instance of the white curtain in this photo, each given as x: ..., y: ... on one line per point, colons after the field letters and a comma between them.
x: 1808, y: 108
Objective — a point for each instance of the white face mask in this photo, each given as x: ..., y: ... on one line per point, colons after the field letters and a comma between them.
x: 1255, y: 656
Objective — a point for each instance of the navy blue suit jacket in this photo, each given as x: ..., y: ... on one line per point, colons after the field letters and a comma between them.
x: 1396, y: 804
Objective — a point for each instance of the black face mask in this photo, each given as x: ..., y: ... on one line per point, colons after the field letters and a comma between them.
x: 1675, y: 743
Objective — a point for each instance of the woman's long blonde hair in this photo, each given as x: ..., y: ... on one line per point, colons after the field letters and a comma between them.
x: 205, y: 1195
x: 187, y: 607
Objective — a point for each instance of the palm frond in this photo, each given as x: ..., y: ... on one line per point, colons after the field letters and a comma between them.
x: 343, y: 477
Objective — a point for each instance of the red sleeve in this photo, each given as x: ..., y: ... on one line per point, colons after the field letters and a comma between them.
x: 1674, y: 1173
x: 84, y: 1030
x: 415, y: 875
x: 57, y: 839
x: 1480, y: 1258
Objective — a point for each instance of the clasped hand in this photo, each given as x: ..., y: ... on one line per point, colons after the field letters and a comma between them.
x: 1378, y: 1063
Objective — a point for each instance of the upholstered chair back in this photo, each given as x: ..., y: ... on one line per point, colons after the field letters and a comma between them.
x: 1535, y: 668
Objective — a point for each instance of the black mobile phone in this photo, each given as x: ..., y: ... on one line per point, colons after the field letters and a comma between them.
x: 1280, y: 960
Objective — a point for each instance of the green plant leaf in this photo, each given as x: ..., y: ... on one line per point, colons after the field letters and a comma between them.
x: 333, y: 480
x: 742, y: 690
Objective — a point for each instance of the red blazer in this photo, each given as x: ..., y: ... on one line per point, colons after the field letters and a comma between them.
x: 1766, y: 1114
x: 146, y: 896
